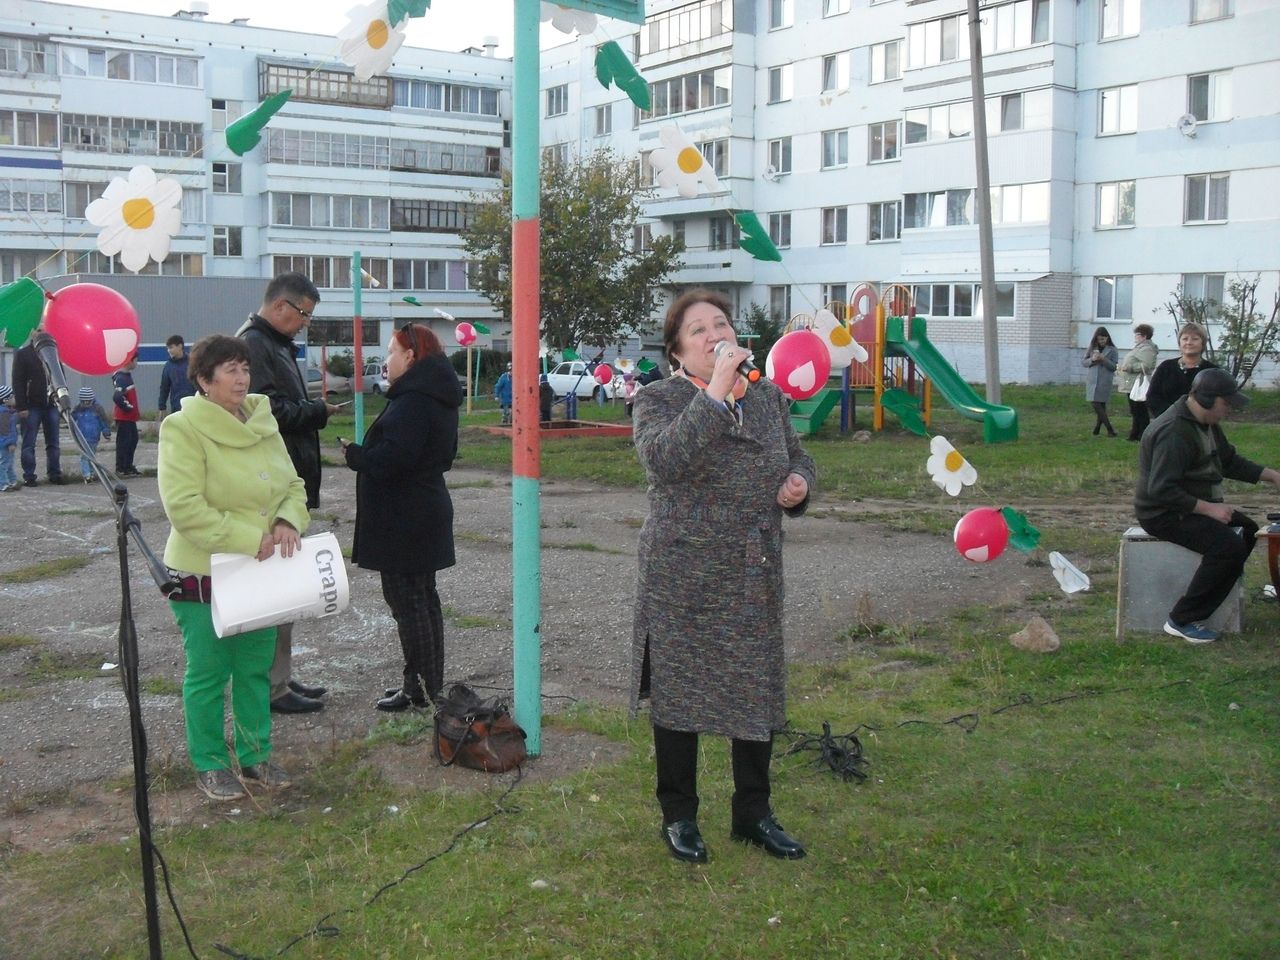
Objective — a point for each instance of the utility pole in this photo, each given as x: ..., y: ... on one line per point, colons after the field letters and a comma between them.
x: 986, y: 251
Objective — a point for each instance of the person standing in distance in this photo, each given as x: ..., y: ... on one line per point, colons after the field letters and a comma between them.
x: 273, y: 368
x: 124, y: 402
x: 174, y: 382
x: 35, y: 412
x: 502, y: 393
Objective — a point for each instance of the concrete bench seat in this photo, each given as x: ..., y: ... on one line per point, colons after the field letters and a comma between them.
x: 1153, y: 575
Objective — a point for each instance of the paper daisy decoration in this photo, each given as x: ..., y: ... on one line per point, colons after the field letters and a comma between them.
x: 567, y: 20
x: 678, y: 163
x: 844, y: 349
x: 949, y: 470
x: 370, y: 40
x: 138, y: 217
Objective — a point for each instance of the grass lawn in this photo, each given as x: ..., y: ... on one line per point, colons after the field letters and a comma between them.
x: 1110, y: 800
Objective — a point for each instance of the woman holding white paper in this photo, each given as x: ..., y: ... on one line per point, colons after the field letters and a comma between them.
x: 404, y: 516
x: 228, y: 486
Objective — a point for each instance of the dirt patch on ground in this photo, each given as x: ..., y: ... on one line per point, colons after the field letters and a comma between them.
x: 65, y: 759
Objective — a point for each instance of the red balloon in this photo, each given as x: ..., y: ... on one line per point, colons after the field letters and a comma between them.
x: 603, y: 374
x: 981, y: 535
x: 96, y: 328
x: 465, y: 334
x: 799, y: 364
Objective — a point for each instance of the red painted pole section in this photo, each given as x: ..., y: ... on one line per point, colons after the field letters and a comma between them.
x: 526, y: 460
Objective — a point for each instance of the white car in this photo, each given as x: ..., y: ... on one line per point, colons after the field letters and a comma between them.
x: 576, y: 376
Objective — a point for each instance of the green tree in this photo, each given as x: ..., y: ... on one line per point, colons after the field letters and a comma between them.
x: 1247, y: 336
x: 596, y: 287
x: 763, y: 329
x: 342, y: 364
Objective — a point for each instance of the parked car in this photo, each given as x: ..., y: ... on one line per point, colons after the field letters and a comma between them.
x: 576, y: 376
x: 318, y: 383
x: 375, y: 378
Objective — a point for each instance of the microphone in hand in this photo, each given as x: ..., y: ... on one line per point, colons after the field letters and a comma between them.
x: 746, y: 368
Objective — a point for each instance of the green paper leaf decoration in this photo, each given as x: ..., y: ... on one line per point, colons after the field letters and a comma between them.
x: 755, y: 238
x: 612, y: 66
x: 21, y: 307
x: 480, y: 327
x: 569, y: 354
x: 244, y: 134
x: 645, y: 365
x: 904, y: 406
x: 413, y: 300
x: 1022, y: 535
x: 398, y: 10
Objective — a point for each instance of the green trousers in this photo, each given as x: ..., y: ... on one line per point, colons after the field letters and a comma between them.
x: 245, y: 660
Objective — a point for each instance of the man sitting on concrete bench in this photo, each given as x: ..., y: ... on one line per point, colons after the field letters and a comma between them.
x: 1184, y: 458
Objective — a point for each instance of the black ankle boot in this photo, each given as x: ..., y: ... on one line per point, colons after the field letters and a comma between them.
x: 400, y: 701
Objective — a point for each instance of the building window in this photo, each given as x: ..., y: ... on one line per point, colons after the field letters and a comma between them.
x: 835, y: 297
x: 949, y: 121
x: 1119, y: 19
x: 1209, y: 96
x: 16, y: 264
x: 1012, y: 26
x: 604, y: 120
x: 1020, y: 203
x: 835, y: 225
x: 445, y: 97
x: 26, y: 128
x: 1206, y: 198
x: 693, y: 91
x: 429, y: 216
x: 716, y: 153
x: 556, y: 154
x: 940, y: 208
x: 780, y: 304
x: 558, y: 100
x: 78, y: 196
x: 1028, y: 110
x: 780, y: 230
x: 225, y: 112
x: 429, y: 275
x: 1204, y: 286
x: 685, y: 24
x: 322, y: 149
x: 1116, y: 203
x: 939, y: 41
x: 314, y: 85
x: 886, y: 61
x: 226, y: 242
x: 882, y: 141
x: 1115, y: 298
x: 226, y: 177
x: 1202, y: 10
x: 781, y: 13
x: 835, y: 148
x: 1118, y: 109
x: 123, y: 65
x: 642, y: 238
x: 677, y: 231
x: 33, y: 196
x: 831, y: 7
x: 780, y: 155
x: 25, y: 56
x: 780, y: 83
x: 884, y: 221
x: 835, y: 72
x: 724, y: 234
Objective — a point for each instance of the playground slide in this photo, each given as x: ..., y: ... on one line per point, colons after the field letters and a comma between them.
x: 999, y: 423
x: 808, y: 415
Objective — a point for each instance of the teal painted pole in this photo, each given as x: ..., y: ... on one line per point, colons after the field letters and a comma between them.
x: 526, y: 451
x: 357, y: 327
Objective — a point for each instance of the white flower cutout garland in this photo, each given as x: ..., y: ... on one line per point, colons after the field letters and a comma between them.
x: 949, y: 470
x: 138, y: 217
x: 680, y: 164
x: 369, y: 40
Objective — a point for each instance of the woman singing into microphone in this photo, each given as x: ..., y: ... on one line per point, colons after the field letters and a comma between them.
x: 723, y: 465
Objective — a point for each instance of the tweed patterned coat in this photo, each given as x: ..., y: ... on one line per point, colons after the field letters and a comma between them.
x: 709, y: 598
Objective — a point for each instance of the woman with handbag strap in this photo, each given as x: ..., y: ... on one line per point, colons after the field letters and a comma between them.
x: 724, y: 464
x: 1140, y: 361
x: 404, y: 516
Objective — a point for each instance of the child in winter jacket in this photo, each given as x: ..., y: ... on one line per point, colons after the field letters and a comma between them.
x: 8, y: 439
x: 93, y: 424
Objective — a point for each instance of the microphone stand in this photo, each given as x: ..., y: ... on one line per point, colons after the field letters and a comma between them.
x: 127, y: 526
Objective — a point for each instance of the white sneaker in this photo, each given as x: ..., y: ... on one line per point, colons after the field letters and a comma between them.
x: 1190, y: 632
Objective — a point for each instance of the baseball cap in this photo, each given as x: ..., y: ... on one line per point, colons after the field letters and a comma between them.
x: 1215, y: 382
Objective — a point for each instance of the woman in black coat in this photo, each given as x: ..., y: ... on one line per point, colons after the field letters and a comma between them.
x: 404, y: 517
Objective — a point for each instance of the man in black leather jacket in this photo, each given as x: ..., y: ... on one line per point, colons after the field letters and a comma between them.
x: 285, y: 311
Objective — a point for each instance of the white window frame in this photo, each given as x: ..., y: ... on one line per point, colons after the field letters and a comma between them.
x: 883, y: 66
x: 832, y: 8
x: 557, y: 100
x: 1122, y: 105
x: 876, y: 211
x: 1013, y: 203
x: 781, y: 292
x: 834, y: 226
x: 782, y: 14
x: 783, y: 73
x: 780, y: 229
x: 835, y: 148
x: 1211, y: 182
x: 227, y: 178
x: 780, y: 155
x: 224, y: 237
x: 1119, y: 19
x: 1217, y: 96
x: 1198, y: 285
x: 604, y: 120
x: 1207, y: 11
x: 880, y: 153
x: 835, y: 72
x: 1113, y: 285
x: 716, y: 153
x: 1110, y: 206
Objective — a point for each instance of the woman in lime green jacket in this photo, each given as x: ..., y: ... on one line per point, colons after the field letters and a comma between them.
x: 228, y: 486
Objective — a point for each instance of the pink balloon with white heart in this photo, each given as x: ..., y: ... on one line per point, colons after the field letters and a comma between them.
x: 95, y: 327
x: 799, y: 364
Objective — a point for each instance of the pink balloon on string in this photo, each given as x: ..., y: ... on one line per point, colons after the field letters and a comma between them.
x: 603, y: 374
x: 465, y: 334
x: 981, y: 535
x: 95, y: 327
x: 799, y: 364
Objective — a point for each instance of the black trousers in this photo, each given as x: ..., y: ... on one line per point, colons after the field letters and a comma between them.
x: 415, y: 605
x: 1100, y: 418
x: 1224, y: 552
x: 126, y: 444
x: 1141, y: 417
x: 676, y: 752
